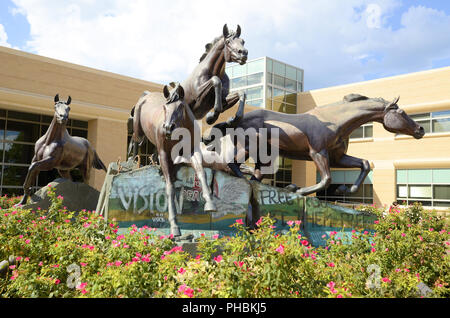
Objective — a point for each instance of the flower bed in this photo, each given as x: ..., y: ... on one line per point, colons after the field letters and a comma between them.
x: 60, y: 253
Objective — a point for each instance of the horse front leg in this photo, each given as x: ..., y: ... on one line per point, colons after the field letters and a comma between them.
x: 232, y: 99
x: 216, y: 84
x: 167, y: 169
x: 33, y: 172
x: 347, y: 161
x: 323, y: 165
x: 196, y: 163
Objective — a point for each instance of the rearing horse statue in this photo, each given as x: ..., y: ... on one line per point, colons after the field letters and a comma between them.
x: 208, y: 85
x: 57, y: 149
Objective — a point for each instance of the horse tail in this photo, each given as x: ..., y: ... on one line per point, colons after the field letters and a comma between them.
x: 98, y: 163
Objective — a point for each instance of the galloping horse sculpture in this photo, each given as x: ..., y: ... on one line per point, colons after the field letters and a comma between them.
x: 57, y: 149
x: 322, y: 134
x: 208, y: 85
x: 156, y: 116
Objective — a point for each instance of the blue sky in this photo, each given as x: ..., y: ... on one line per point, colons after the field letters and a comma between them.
x: 335, y: 42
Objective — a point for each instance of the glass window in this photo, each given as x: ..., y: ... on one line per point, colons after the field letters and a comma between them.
x: 357, y: 133
x: 419, y: 176
x: 2, y: 113
x: 278, y: 81
x: 279, y: 68
x: 445, y: 113
x: 420, y: 191
x: 299, y: 76
x: 291, y: 98
x: 18, y: 131
x: 299, y: 87
x: 14, y: 175
x: 402, y: 176
x: 291, y: 73
x: 441, y: 125
x: 79, y: 133
x: 2, y: 129
x: 269, y: 65
x: 229, y: 71
x: 256, y: 102
x: 402, y: 191
x: 368, y: 131
x: 290, y: 84
x: 278, y: 92
x: 239, y: 82
x: 46, y: 119
x: 79, y: 123
x: 269, y: 92
x: 255, y: 66
x: 255, y: 79
x: 255, y: 92
x: 291, y: 109
x: 239, y: 70
x: 23, y: 116
x: 442, y: 192
x: 269, y: 78
x: 278, y: 106
x: 18, y: 153
x: 441, y: 175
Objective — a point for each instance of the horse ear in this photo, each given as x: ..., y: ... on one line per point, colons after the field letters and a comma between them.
x: 208, y: 46
x: 69, y: 100
x: 395, y: 101
x: 180, y: 91
x: 226, y: 32
x: 238, y: 31
x: 166, y: 91
x: 56, y: 98
x: 392, y: 105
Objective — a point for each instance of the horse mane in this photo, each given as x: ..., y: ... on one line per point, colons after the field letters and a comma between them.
x: 208, y: 47
x: 354, y: 97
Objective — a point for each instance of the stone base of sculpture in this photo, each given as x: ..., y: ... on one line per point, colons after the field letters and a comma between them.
x: 76, y: 196
x: 137, y: 196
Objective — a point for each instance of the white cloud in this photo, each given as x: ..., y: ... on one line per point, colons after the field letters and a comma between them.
x: 336, y: 42
x: 3, y: 37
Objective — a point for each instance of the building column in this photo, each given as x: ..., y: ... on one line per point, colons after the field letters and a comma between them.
x: 109, y: 138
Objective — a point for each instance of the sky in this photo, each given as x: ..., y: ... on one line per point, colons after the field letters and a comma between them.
x: 336, y: 42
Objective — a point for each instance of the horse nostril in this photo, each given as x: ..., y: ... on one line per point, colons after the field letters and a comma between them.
x: 245, y: 52
x: 172, y: 127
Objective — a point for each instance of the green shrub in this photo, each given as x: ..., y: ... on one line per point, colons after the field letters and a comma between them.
x: 59, y: 253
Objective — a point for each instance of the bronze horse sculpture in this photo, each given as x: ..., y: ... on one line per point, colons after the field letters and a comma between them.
x: 207, y: 87
x: 57, y: 149
x: 321, y: 135
x: 156, y: 117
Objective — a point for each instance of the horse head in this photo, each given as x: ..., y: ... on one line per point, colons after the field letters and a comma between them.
x: 62, y: 109
x: 234, y: 49
x: 174, y: 108
x: 396, y: 120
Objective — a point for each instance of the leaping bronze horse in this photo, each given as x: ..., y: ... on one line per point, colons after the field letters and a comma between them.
x: 207, y: 87
x: 156, y: 116
x: 57, y: 149
x: 322, y: 134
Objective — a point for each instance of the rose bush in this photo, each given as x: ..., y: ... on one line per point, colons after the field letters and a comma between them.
x: 60, y: 253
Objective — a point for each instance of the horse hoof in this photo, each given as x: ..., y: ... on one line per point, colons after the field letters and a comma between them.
x: 175, y: 231
x: 210, y: 207
x: 341, y: 189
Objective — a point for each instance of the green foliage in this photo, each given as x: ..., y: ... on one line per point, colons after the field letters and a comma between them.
x: 59, y: 253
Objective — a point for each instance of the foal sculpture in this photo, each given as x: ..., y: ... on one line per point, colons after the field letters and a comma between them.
x: 322, y: 134
x: 156, y: 116
x: 57, y: 149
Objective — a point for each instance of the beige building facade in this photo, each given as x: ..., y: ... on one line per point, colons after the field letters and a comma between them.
x: 404, y: 169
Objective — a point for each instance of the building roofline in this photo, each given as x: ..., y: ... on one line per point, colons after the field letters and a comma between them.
x: 434, y: 70
x: 76, y: 66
